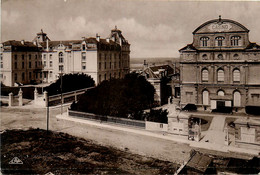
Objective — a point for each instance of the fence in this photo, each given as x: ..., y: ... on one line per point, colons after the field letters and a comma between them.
x: 108, y: 119
x: 66, y: 97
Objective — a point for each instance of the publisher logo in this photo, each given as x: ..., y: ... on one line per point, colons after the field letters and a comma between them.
x: 16, y: 160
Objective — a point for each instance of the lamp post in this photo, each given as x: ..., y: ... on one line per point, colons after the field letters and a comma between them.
x: 61, y: 110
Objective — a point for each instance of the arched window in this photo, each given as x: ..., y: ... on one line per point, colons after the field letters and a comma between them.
x: 220, y: 57
x: 236, y: 57
x: 205, y: 97
x: 205, y: 75
x: 220, y: 75
x: 204, y: 56
x: 236, y: 75
x: 235, y: 40
x: 221, y: 93
x: 60, y: 57
x: 237, y: 98
x: 204, y: 41
x: 219, y: 41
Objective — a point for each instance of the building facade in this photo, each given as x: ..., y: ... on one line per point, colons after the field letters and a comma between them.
x: 221, y: 67
x: 42, y: 60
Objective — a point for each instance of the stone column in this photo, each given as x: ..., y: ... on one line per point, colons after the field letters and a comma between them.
x: 46, y: 99
x: 35, y: 94
x: 20, y: 95
x: 11, y: 99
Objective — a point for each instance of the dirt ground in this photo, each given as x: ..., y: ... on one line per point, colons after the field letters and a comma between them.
x: 59, y: 153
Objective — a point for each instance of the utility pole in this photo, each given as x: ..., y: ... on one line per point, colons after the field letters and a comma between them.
x: 61, y: 110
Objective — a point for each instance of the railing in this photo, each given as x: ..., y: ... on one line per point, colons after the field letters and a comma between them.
x: 66, y: 97
x: 108, y: 119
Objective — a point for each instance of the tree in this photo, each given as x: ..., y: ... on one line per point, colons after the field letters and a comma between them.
x: 118, y: 97
x: 158, y: 115
x: 70, y: 82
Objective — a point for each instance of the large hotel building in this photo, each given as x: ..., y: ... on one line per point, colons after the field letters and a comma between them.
x: 221, y: 67
x: 42, y: 59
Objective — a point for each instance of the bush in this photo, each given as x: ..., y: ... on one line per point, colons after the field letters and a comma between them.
x: 70, y: 82
x: 118, y: 97
x: 158, y: 115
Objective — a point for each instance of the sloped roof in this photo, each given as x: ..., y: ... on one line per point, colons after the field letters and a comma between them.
x: 168, y: 68
x: 220, y: 20
x: 19, y: 43
x: 253, y: 46
x: 189, y: 47
x: 199, y: 162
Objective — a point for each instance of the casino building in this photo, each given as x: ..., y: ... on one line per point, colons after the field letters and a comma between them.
x: 221, y: 68
x: 42, y: 60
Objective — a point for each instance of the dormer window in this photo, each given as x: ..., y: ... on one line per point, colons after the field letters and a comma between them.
x: 235, y: 40
x: 83, y: 46
x: 204, y: 41
x: 219, y: 41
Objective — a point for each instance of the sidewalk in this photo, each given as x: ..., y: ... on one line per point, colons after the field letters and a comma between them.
x: 174, y: 138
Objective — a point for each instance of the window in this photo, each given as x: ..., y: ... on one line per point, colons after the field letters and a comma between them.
x: 219, y: 41
x: 36, y: 57
x: 99, y: 66
x: 161, y: 125
x: 35, y: 64
x: 220, y: 57
x: 30, y: 56
x: 83, y: 66
x: 60, y: 57
x: 204, y: 56
x: 105, y: 76
x: 205, y: 75
x: 237, y: 98
x: 221, y: 93
x: 22, y: 57
x: 15, y: 57
x: 83, y: 47
x: 220, y: 75
x: 15, y: 65
x: 30, y: 64
x: 15, y: 77
x: 44, y: 56
x: 236, y: 75
x: 44, y: 64
x: 2, y: 65
x: 105, y: 65
x: 110, y: 65
x: 235, y: 40
x: 60, y: 68
x: 204, y: 41
x: 114, y: 75
x: 115, y: 64
x: 99, y: 77
x: 50, y: 74
x: 205, y: 97
x: 110, y: 76
x: 22, y: 65
x: 119, y: 75
x: 50, y: 63
x: 50, y: 56
x: 100, y: 55
x: 30, y: 75
x: 36, y: 75
x: 40, y: 74
x: 236, y: 57
x: 23, y: 76
x: 83, y: 56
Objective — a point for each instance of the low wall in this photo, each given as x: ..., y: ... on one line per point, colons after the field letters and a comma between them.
x: 109, y: 119
x: 153, y: 126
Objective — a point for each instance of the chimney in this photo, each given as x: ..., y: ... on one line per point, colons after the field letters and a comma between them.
x: 97, y: 37
x: 22, y: 41
x: 47, y: 45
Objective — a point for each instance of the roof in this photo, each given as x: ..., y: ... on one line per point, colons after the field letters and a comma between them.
x: 220, y: 20
x: 253, y: 46
x: 189, y: 47
x: 168, y: 68
x: 199, y: 162
x: 13, y: 45
x: 19, y: 43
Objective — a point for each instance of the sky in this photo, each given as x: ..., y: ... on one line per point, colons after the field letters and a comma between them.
x: 153, y: 28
